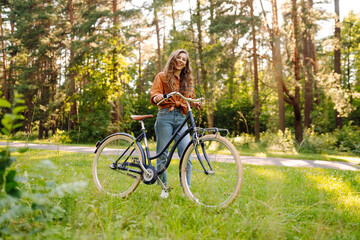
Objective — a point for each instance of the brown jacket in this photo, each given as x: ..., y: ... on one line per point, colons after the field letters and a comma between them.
x: 160, y: 87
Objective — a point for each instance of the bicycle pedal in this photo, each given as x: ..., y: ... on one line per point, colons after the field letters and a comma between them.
x: 113, y: 166
x: 168, y: 189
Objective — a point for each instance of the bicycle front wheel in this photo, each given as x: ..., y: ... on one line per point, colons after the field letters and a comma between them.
x: 215, y: 170
x: 119, y: 179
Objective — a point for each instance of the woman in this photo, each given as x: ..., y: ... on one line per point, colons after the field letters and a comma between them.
x: 175, y: 77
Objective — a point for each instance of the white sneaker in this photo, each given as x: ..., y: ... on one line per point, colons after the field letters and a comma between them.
x: 164, y: 194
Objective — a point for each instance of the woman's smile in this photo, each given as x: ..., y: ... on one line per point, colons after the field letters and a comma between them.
x: 181, y: 61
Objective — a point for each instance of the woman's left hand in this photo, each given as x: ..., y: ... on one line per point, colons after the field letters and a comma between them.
x: 198, y: 105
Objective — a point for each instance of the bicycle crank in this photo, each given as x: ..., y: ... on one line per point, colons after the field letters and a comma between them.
x: 151, y: 176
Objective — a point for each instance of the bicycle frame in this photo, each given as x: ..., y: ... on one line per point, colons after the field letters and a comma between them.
x: 191, y: 128
x: 146, y: 154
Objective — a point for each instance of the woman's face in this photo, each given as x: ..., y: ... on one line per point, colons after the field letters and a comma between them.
x: 180, y: 62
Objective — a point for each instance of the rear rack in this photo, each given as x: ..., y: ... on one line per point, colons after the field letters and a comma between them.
x: 215, y: 131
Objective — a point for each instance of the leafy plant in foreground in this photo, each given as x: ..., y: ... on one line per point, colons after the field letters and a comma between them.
x: 27, y: 209
x: 7, y: 178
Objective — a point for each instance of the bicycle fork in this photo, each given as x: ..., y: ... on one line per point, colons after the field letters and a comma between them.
x: 208, y: 172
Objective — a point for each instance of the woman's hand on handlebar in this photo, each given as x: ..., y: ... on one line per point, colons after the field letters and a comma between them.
x: 158, y: 98
x: 198, y: 105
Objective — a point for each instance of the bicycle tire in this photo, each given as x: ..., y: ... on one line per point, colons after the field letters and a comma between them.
x: 116, y: 182
x: 220, y: 188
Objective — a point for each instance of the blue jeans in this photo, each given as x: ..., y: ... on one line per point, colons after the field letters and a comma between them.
x: 165, y: 125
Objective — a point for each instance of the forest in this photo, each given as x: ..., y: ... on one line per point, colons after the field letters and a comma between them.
x: 84, y: 66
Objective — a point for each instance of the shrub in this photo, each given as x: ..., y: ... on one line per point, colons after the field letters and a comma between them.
x: 27, y: 211
x: 348, y: 138
x: 317, y: 142
x: 245, y: 140
x: 60, y: 136
x: 278, y: 142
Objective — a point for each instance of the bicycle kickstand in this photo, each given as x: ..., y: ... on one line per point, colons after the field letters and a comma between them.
x: 162, y: 185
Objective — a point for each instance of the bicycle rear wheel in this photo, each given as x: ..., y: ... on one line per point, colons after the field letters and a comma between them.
x: 119, y: 180
x: 221, y: 184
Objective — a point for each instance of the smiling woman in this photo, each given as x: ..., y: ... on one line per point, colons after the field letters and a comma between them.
x: 175, y: 77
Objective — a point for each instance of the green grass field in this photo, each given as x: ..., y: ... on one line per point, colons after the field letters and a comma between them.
x: 274, y: 203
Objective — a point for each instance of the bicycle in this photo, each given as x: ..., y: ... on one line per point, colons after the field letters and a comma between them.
x: 121, y: 162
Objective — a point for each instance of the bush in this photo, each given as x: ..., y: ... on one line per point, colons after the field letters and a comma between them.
x: 278, y: 142
x: 60, y: 136
x: 28, y: 209
x: 317, y: 142
x: 348, y: 138
x: 236, y: 116
x: 245, y: 141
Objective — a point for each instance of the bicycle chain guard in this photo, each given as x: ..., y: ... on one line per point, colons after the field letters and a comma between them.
x: 151, y: 177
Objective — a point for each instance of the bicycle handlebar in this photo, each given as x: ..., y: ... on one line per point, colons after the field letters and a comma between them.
x: 167, y: 96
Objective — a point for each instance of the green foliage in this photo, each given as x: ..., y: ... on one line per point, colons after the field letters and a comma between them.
x: 315, y: 142
x: 143, y: 107
x: 60, y: 137
x: 27, y: 209
x: 43, y: 202
x: 7, y: 178
x: 97, y: 62
x: 9, y: 121
x: 348, y: 138
x: 279, y: 141
x: 236, y: 116
x: 94, y: 115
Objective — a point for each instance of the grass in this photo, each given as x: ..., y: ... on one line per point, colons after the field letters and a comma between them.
x: 275, y: 203
x: 334, y: 156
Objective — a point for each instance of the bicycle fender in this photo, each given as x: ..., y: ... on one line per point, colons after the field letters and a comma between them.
x: 98, y: 144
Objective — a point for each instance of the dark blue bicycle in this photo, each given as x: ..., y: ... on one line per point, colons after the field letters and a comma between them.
x: 121, y: 163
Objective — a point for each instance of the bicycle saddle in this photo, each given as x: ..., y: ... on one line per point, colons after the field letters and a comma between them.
x: 141, y: 117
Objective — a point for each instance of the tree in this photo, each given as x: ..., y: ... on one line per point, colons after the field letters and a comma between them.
x: 277, y: 65
x: 5, y: 90
x: 72, y: 118
x: 256, y: 78
x: 307, y: 61
x: 156, y: 23
x: 295, y: 100
x: 337, y: 56
x: 284, y: 94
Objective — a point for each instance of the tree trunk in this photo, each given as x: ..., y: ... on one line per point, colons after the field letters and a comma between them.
x: 211, y: 78
x: 308, y: 65
x: 337, y: 57
x: 41, y: 129
x: 277, y: 64
x: 173, y: 15
x: 316, y: 70
x: 156, y: 23
x: 5, y: 90
x: 256, y: 80
x: 203, y: 76
x: 296, y: 100
x: 115, y: 35
x: 198, y: 81
x: 72, y: 89
x: 10, y: 78
x: 140, y: 82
